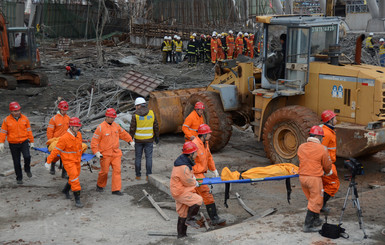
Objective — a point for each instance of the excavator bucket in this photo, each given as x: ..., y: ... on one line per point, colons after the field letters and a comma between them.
x: 168, y: 107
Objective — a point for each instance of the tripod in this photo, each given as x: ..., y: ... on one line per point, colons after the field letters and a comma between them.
x: 356, y: 203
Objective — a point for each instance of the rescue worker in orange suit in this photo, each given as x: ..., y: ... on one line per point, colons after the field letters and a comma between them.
x: 193, y: 121
x: 330, y: 183
x: 69, y: 147
x: 203, y: 162
x: 182, y: 188
x: 239, y: 45
x: 230, y: 43
x: 144, y: 128
x: 105, y: 146
x: 17, y: 129
x: 57, y: 126
x: 250, y: 45
x: 214, y: 49
x: 314, y: 162
x: 221, y: 53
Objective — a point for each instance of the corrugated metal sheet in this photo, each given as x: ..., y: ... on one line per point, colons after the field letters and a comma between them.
x: 138, y: 83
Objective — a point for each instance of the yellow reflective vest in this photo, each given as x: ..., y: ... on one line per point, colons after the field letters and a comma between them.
x: 167, y: 46
x: 382, y: 49
x: 368, y: 42
x: 145, y: 126
x: 178, y: 46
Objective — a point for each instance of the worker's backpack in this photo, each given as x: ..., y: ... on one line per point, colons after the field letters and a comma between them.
x: 333, y: 231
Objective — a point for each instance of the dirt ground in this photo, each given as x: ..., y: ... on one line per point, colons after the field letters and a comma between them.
x: 37, y: 212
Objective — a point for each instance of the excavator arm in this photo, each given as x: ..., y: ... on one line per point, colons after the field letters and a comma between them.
x: 4, y: 46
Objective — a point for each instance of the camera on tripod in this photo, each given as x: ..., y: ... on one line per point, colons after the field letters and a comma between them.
x: 355, y: 167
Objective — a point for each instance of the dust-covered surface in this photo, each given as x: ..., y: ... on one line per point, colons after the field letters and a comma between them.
x: 37, y: 212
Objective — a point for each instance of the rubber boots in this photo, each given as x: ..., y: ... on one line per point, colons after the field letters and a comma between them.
x: 190, y: 220
x: 66, y: 190
x: 52, y: 170
x: 181, y: 227
x: 77, y: 199
x: 309, y: 220
x: 64, y: 174
x: 212, y: 211
x: 317, y: 220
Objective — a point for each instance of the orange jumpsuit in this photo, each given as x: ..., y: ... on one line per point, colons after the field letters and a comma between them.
x: 230, y: 43
x: 182, y: 188
x: 221, y: 54
x: 314, y: 160
x: 106, y: 141
x: 239, y: 46
x: 331, y: 183
x: 214, y: 50
x: 191, y: 125
x: 69, y: 148
x: 203, y: 162
x: 16, y: 132
x: 58, y: 126
x: 250, y: 47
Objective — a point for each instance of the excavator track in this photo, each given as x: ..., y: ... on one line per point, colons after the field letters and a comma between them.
x: 285, y: 130
x: 219, y: 121
x: 8, y: 82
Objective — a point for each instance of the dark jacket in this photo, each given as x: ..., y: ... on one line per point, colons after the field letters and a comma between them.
x: 142, y: 111
x: 183, y: 160
x: 192, y: 47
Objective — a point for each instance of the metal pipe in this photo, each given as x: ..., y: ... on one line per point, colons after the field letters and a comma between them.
x: 277, y: 6
x: 357, y: 57
x: 288, y: 6
x: 373, y: 8
x: 322, y: 4
x: 381, y: 7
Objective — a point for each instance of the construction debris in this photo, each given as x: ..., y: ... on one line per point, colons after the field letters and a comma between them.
x: 156, y: 206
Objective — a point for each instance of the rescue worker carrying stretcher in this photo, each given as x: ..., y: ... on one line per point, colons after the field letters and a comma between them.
x: 193, y: 121
x: 70, y: 149
x: 105, y: 146
x: 330, y: 183
x: 57, y: 126
x: 314, y: 162
x: 204, y: 161
x: 182, y: 188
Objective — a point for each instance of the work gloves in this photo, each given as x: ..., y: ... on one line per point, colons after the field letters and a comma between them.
x: 132, y: 144
x: 47, y: 166
x: 1, y: 147
x: 98, y: 154
x: 31, y: 145
x: 196, y: 182
x: 156, y: 140
x: 330, y: 173
x: 215, y: 172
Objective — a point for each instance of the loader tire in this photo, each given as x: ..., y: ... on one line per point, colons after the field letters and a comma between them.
x: 8, y: 82
x: 219, y: 121
x: 285, y: 130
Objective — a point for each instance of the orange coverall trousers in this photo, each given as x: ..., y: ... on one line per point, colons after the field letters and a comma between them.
x: 313, y: 190
x: 204, y: 191
x: 115, y: 163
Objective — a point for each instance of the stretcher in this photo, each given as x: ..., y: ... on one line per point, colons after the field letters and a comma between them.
x: 218, y: 180
x: 86, y: 157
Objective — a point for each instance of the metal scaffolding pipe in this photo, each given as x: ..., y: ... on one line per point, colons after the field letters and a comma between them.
x: 381, y: 7
x: 322, y: 4
x: 373, y: 8
x: 288, y: 6
x: 277, y: 6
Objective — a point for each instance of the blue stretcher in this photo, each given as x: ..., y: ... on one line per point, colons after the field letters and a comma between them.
x: 85, y: 156
x: 217, y: 180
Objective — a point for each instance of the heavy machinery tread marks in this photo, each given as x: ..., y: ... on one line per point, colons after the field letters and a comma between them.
x: 294, y: 123
x: 219, y: 121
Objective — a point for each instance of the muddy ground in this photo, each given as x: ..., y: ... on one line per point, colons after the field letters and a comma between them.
x: 37, y: 213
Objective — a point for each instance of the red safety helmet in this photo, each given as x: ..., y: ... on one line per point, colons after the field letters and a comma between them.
x: 204, y: 129
x: 189, y: 147
x: 63, y: 105
x: 68, y: 68
x: 111, y: 113
x: 199, y: 105
x: 75, y: 122
x: 14, y: 106
x: 317, y: 130
x: 327, y: 116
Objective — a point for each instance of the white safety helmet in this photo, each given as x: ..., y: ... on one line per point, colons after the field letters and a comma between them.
x: 175, y: 36
x: 246, y: 34
x: 231, y: 32
x: 194, y: 34
x: 214, y: 33
x: 382, y: 40
x: 371, y: 34
x: 178, y: 37
x: 165, y: 37
x: 219, y: 35
x: 139, y: 101
x: 240, y: 33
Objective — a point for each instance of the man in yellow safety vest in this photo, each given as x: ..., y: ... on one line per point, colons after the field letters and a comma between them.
x: 382, y: 52
x: 178, y: 49
x: 145, y: 130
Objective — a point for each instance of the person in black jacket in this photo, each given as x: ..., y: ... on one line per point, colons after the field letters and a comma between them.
x: 192, y: 50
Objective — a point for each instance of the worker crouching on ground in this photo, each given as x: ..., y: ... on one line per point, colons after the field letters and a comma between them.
x: 17, y: 129
x: 145, y: 130
x: 105, y: 145
x: 182, y: 188
x: 330, y: 183
x: 57, y: 126
x: 204, y: 161
x: 69, y: 147
x: 193, y: 121
x: 314, y: 162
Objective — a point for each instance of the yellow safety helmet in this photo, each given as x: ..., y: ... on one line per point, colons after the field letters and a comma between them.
x: 191, y: 37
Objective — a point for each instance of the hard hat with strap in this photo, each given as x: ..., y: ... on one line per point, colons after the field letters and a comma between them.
x: 204, y: 129
x: 14, y: 106
x: 68, y: 68
x: 139, y: 101
x: 63, y: 105
x: 327, y: 116
x: 316, y: 130
x: 199, y: 105
x: 189, y: 147
x: 75, y: 122
x: 111, y: 113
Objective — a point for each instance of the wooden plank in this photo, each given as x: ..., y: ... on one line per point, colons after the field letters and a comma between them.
x: 149, y: 197
x: 249, y: 210
x: 205, y: 221
x: 169, y: 205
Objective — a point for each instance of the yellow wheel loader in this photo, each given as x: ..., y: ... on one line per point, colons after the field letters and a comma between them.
x: 285, y: 98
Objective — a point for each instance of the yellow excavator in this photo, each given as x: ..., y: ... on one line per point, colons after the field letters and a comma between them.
x: 284, y: 99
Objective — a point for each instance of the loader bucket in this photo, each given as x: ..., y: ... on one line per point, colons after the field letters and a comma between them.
x: 168, y: 107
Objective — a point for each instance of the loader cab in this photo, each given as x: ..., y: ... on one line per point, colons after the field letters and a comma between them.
x: 286, y: 68
x: 22, y: 48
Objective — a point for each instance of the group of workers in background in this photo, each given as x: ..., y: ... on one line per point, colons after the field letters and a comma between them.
x: 371, y: 46
x: 206, y: 48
